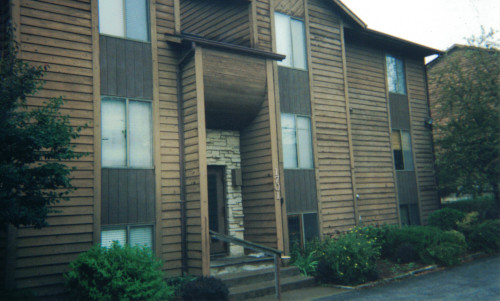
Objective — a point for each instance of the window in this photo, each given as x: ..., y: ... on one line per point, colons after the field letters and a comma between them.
x: 126, y: 133
x: 131, y: 235
x: 297, y: 141
x: 291, y: 41
x: 395, y: 75
x: 401, y: 146
x: 124, y: 18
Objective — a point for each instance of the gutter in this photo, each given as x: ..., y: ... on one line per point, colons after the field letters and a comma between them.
x: 180, y: 110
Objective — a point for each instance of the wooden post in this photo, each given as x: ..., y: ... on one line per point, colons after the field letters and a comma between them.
x: 277, y: 284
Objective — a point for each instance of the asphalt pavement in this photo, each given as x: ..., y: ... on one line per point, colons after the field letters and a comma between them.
x: 476, y: 280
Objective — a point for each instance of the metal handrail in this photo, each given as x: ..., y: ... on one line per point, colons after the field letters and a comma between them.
x: 259, y: 248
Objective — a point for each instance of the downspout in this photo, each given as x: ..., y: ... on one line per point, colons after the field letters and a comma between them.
x: 180, y: 110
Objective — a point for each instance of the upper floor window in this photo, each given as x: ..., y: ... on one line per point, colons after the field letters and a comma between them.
x: 291, y: 41
x: 127, y: 135
x: 124, y: 18
x: 401, y: 146
x: 297, y: 141
x: 395, y: 75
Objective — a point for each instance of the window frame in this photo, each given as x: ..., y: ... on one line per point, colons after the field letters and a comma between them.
x: 127, y: 133
x: 399, y: 78
x: 293, y: 53
x: 127, y: 228
x: 297, y: 142
x: 403, y: 150
x: 124, y: 18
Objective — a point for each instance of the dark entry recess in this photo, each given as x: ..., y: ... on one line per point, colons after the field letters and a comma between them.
x: 216, y: 207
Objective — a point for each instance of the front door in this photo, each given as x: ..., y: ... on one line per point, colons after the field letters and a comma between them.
x: 216, y: 207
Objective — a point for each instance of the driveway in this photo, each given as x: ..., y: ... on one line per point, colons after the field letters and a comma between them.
x: 476, y: 280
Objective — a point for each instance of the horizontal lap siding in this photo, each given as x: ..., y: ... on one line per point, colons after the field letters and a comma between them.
x: 263, y: 25
x: 223, y: 21
x: 370, y: 135
x: 332, y: 145
x: 58, y: 34
x: 422, y: 138
x: 258, y: 186
x: 170, y: 225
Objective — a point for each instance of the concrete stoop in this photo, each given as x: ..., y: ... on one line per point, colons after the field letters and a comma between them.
x: 251, y: 284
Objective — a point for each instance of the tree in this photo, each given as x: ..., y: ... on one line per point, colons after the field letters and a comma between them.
x: 34, y: 143
x: 465, y: 93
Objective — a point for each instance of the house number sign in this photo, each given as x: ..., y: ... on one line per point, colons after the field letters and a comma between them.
x: 277, y: 186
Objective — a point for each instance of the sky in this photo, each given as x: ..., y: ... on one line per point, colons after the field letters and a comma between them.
x: 434, y: 23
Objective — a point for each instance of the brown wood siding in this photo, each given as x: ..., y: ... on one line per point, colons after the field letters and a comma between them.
x: 263, y: 25
x: 170, y: 224
x: 422, y: 138
x: 192, y: 169
x: 257, y: 175
x: 294, y: 91
x: 127, y: 196
x: 334, y: 173
x: 293, y: 8
x: 400, y: 114
x: 58, y: 33
x: 126, y: 68
x: 370, y: 135
x: 219, y: 20
x: 407, y: 187
x: 300, y: 188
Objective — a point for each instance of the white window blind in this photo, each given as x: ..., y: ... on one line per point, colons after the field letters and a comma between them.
x: 289, y: 141
x: 297, y: 141
x: 305, y: 156
x: 291, y: 41
x: 142, y: 236
x: 124, y: 18
x: 113, y: 123
x: 109, y: 236
x: 141, y: 131
x: 111, y: 17
x: 395, y: 75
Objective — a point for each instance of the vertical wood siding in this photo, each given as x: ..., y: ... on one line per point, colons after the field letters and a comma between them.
x: 258, y: 186
x: 335, y: 187
x: 58, y: 33
x: 170, y: 225
x: 126, y: 68
x: 400, y: 113
x: 219, y: 20
x: 294, y: 91
x: 370, y: 135
x: 422, y: 138
x: 127, y: 196
x: 192, y: 166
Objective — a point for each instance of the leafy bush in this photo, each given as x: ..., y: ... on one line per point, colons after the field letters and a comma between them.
x: 448, y: 248
x: 486, y: 207
x: 420, y: 237
x: 306, y: 263
x: 118, y: 273
x: 406, y: 253
x: 177, y: 284
x: 484, y: 236
x: 349, y: 259
x: 205, y: 288
x: 446, y: 218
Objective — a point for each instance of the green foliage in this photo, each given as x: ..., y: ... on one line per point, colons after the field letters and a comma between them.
x: 420, y: 237
x: 306, y: 263
x: 467, y: 115
x: 35, y: 141
x: 485, y: 206
x: 118, y: 273
x: 484, y: 236
x: 447, y: 249
x: 178, y: 283
x: 348, y: 259
x: 205, y: 289
x: 446, y: 218
x: 17, y: 294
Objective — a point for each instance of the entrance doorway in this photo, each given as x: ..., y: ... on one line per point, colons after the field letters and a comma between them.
x: 216, y: 207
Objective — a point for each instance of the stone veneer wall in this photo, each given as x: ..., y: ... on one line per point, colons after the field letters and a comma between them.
x: 223, y: 149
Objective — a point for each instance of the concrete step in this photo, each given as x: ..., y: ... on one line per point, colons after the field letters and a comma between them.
x: 232, y: 265
x: 263, y: 288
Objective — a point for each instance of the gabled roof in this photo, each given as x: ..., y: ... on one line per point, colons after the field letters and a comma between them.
x: 350, y: 14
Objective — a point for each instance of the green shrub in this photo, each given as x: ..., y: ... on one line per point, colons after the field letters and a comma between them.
x: 406, y: 253
x: 484, y: 236
x: 446, y: 218
x: 485, y: 206
x: 117, y: 273
x: 349, y: 259
x: 205, y: 288
x: 178, y: 283
x: 306, y: 263
x: 420, y: 237
x: 447, y: 249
